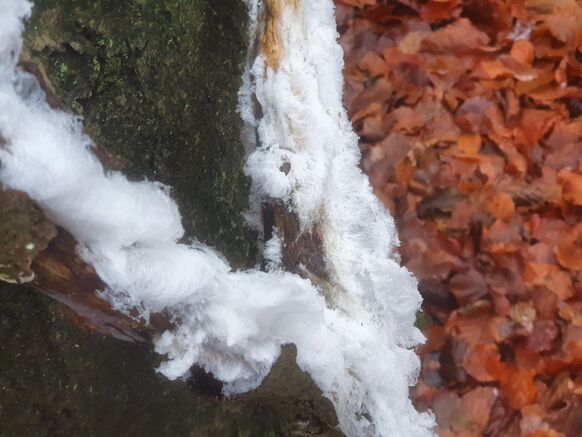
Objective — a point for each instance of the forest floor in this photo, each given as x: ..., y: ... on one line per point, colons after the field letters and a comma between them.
x: 469, y: 113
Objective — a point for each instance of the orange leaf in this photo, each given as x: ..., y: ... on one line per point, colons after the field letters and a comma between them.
x: 523, y: 51
x: 458, y: 36
x: 483, y: 362
x: 373, y: 64
x: 518, y: 387
x: 469, y: 144
x: 571, y: 186
x: 500, y: 206
x: 437, y: 10
x: 569, y: 255
x: 565, y: 21
x: 359, y: 3
x: 403, y: 171
x: 559, y: 282
x: 535, y: 123
x: 410, y: 44
x: 535, y: 273
x: 573, y: 343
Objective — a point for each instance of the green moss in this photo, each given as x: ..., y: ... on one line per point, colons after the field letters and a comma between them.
x: 423, y: 320
x: 157, y: 81
x: 56, y: 380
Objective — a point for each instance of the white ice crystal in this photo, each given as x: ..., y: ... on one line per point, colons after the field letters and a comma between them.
x: 233, y: 323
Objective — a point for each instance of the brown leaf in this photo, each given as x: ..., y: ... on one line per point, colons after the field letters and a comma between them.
x: 407, y: 119
x: 573, y: 343
x: 436, y: 10
x: 517, y: 386
x: 524, y: 314
x: 359, y: 3
x: 571, y: 186
x: 440, y: 203
x: 459, y: 36
x: 483, y: 362
x: 569, y: 255
x: 468, y: 286
x: 469, y: 144
x: 500, y: 206
x: 523, y: 51
x: 534, y: 124
x: 543, y: 334
x: 559, y: 282
x: 565, y: 21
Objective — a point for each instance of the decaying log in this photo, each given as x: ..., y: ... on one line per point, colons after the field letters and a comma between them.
x: 33, y: 251
x: 24, y: 233
x: 52, y: 265
x: 60, y: 273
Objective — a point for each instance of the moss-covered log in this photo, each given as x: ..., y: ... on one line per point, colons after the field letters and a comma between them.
x: 156, y: 82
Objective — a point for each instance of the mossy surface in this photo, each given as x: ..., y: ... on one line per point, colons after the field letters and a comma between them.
x: 56, y: 380
x: 156, y: 82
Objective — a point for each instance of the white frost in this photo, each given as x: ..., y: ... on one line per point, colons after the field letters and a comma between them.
x: 273, y: 252
x: 234, y: 323
x: 304, y: 129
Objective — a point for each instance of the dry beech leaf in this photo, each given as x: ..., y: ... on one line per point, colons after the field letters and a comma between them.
x: 569, y: 255
x: 565, y: 21
x: 468, y: 287
x: 411, y: 43
x: 523, y: 51
x: 483, y: 362
x: 518, y: 387
x: 458, y: 36
x: 359, y: 3
x: 436, y: 10
x: 500, y: 206
x: 571, y: 186
x: 469, y: 144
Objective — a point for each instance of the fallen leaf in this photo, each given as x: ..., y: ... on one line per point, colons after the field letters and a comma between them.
x: 542, y: 336
x: 483, y: 362
x: 523, y: 51
x: 571, y: 186
x: 468, y: 286
x: 458, y: 36
x: 500, y: 206
x: 569, y: 255
x: 436, y: 10
x: 517, y: 386
x: 469, y: 144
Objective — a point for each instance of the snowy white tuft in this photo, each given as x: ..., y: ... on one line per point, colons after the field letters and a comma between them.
x: 234, y: 323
